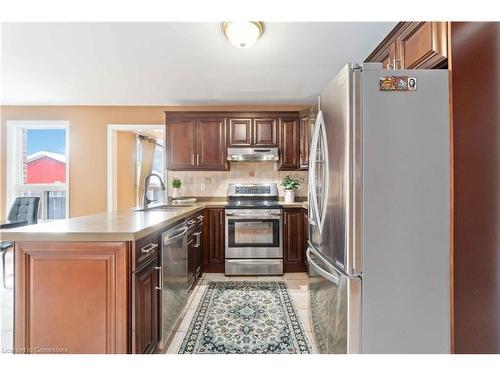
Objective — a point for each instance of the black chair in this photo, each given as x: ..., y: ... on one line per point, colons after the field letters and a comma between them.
x: 23, y: 208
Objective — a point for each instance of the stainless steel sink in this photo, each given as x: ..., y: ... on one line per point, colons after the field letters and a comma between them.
x: 165, y: 207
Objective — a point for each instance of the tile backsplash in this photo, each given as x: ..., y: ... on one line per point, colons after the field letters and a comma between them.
x: 214, y: 184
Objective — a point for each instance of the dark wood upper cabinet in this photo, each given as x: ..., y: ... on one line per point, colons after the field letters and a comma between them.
x: 196, y: 143
x: 199, y: 140
x: 265, y: 132
x: 211, y: 144
x: 294, y: 234
x: 181, y: 144
x: 253, y: 132
x: 146, y: 308
x: 289, y: 143
x: 305, y: 132
x: 240, y: 132
x: 387, y: 56
x: 423, y: 45
x: 413, y: 45
x: 214, y: 242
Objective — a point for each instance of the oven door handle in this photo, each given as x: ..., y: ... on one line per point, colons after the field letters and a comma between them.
x: 255, y: 216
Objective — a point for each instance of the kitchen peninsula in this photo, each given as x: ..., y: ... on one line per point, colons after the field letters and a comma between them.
x: 91, y: 284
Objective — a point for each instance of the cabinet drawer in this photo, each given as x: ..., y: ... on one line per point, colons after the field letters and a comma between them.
x: 146, y: 248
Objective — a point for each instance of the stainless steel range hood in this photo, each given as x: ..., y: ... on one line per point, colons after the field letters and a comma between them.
x: 252, y: 154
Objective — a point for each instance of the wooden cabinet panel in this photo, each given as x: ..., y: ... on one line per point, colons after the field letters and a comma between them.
x: 211, y: 144
x: 289, y: 143
x: 146, y: 300
x: 240, y: 132
x: 305, y: 243
x: 214, y: 241
x: 265, y: 132
x: 388, y: 57
x: 72, y: 296
x: 181, y: 144
x: 413, y: 45
x: 475, y: 74
x: 305, y: 133
x: 293, y: 240
x: 422, y: 45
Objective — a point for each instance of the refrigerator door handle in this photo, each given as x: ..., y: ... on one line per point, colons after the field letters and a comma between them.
x: 327, y: 275
x: 312, y: 173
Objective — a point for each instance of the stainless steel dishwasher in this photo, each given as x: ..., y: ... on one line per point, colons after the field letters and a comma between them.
x: 174, y: 276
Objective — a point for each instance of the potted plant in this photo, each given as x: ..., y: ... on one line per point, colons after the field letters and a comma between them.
x: 290, y: 186
x: 176, y: 184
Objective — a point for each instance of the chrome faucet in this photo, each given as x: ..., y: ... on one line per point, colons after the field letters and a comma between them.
x: 147, y: 201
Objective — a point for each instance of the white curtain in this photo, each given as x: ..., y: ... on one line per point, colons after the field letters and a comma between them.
x: 147, y: 148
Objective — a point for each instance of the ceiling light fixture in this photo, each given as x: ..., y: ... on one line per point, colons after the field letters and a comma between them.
x: 243, y: 34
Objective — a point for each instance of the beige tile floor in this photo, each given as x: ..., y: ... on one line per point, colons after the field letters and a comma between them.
x: 298, y: 284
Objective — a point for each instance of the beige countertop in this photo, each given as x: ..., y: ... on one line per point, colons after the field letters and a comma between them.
x: 127, y: 225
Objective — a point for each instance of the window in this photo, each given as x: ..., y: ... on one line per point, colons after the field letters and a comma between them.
x: 154, y: 191
x: 37, y: 165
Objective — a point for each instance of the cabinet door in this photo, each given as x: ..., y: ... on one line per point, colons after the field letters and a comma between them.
x: 213, y: 249
x: 388, y: 57
x: 293, y: 240
x: 146, y: 308
x: 305, y: 131
x: 240, y: 132
x: 265, y: 132
x: 211, y: 144
x: 289, y: 144
x: 181, y: 144
x: 423, y: 45
x: 62, y: 290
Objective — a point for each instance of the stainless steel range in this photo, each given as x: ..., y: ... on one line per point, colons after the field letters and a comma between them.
x: 253, y: 230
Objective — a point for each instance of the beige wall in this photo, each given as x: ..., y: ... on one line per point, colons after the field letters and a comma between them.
x: 125, y: 169
x: 87, y: 143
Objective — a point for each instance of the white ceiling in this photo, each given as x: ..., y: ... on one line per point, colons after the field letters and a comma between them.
x: 176, y: 63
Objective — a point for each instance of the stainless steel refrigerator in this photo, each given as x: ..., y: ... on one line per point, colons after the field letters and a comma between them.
x: 379, y: 213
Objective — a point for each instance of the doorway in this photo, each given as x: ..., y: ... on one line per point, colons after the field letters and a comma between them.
x: 134, y: 151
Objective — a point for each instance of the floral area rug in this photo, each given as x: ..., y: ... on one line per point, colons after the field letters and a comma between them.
x: 245, y: 317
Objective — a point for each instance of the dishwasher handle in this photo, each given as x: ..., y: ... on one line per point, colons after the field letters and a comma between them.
x: 171, y: 235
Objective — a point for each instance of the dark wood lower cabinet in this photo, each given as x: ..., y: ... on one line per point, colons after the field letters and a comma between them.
x: 86, y: 297
x: 146, y: 298
x: 294, y: 240
x: 214, y: 241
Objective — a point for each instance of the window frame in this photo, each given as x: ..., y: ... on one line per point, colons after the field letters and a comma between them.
x: 14, y: 162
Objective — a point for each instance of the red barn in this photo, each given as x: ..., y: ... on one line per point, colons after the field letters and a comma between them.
x: 45, y: 167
